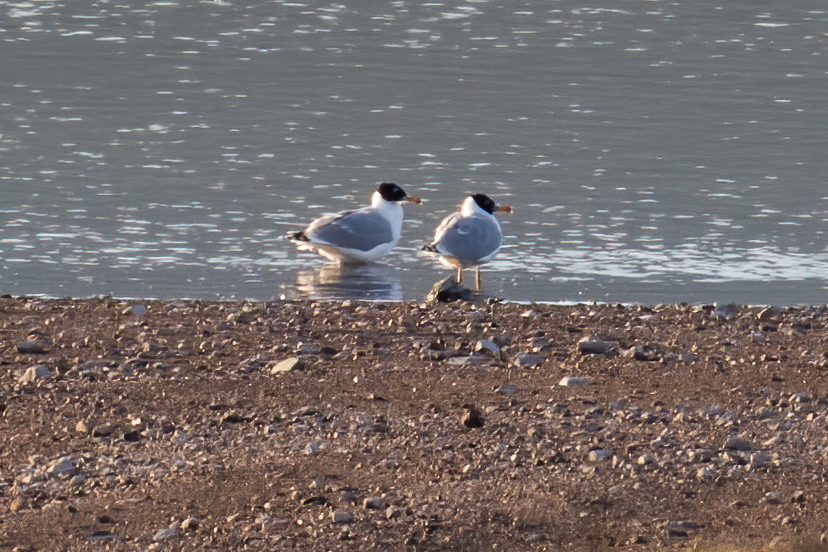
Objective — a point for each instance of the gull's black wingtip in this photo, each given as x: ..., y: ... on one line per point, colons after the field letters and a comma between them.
x: 298, y: 236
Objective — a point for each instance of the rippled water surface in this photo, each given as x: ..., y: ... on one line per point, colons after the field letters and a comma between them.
x: 652, y: 150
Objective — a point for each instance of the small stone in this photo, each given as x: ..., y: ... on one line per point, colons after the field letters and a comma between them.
x: 103, y: 536
x: 341, y: 516
x: 164, y: 534
x: 680, y: 528
x: 574, y: 381
x: 645, y: 460
x: 311, y: 448
x: 591, y: 346
x: 132, y: 436
x: 772, y: 497
x: 737, y: 444
x: 472, y: 417
x: 508, y: 390
x: 769, y: 313
x: 17, y: 504
x: 136, y: 310
x: 81, y: 427
x: 305, y: 411
x: 190, y: 524
x: 705, y: 473
x: 233, y: 417
x: 528, y: 360
x: 77, y: 480
x: 374, y: 503
x: 599, y: 455
x: 727, y: 312
x: 308, y: 349
x: 103, y: 430
x: 760, y: 460
x: 487, y: 347
x: 640, y: 352
x: 803, y: 397
x: 63, y: 466
x: 448, y: 291
x: 392, y: 512
x: 30, y: 348
x: 34, y: 373
x: 292, y: 364
x: 467, y: 361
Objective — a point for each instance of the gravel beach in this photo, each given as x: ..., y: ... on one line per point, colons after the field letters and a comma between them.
x: 411, y: 426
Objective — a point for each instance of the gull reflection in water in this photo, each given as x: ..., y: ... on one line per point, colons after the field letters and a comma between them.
x: 367, y: 282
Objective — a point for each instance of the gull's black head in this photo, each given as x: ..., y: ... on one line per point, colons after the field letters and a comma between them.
x: 391, y: 192
x: 485, y: 202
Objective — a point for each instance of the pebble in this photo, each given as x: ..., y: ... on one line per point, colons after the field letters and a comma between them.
x: 292, y: 364
x: 640, y: 352
x: 190, y: 524
x: 737, y: 444
x: 528, y: 360
x: 341, y: 516
x: 574, y: 381
x: 374, y: 503
x: 645, y: 460
x: 705, y: 473
x: 448, y: 291
x: 599, y: 455
x: 467, y: 361
x: 680, y: 528
x: 103, y: 536
x: 63, y: 466
x: 137, y: 310
x: 727, y: 312
x: 472, y: 417
x: 164, y: 534
x: 760, y: 460
x: 591, y: 346
x: 103, y: 430
x: 34, y: 373
x: 77, y: 480
x: 803, y: 397
x: 30, y: 348
x: 487, y: 347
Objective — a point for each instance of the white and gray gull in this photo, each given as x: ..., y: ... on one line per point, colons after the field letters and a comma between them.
x: 469, y: 237
x: 361, y: 235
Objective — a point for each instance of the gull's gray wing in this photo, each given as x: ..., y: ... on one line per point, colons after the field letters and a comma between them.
x: 362, y: 230
x: 469, y: 239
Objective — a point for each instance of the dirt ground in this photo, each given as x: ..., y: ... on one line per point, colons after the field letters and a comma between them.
x: 411, y: 426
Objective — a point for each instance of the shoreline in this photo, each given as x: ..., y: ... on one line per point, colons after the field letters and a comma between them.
x: 304, y: 424
x: 482, y: 300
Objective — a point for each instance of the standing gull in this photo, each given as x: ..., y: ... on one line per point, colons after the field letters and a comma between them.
x: 358, y: 236
x: 470, y: 236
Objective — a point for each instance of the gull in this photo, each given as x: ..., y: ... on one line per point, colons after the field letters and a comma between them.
x: 469, y: 237
x: 361, y: 235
